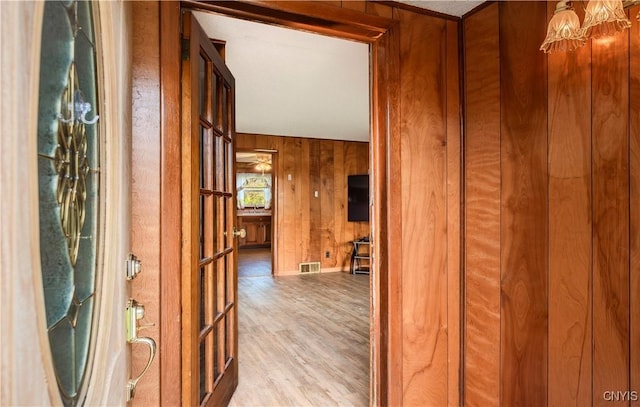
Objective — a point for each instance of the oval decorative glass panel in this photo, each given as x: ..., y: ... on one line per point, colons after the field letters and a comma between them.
x: 69, y: 188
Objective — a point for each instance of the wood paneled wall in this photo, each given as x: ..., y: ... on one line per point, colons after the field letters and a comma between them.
x: 423, y: 166
x: 552, y: 213
x: 427, y: 281
x: 305, y: 226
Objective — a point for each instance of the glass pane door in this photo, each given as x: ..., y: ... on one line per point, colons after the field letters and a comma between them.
x: 210, y: 342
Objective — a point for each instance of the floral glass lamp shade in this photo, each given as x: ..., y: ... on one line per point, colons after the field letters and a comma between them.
x: 564, y: 32
x: 604, y: 18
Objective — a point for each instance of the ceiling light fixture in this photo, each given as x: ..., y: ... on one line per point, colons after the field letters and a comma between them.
x: 263, y: 167
x: 603, y: 18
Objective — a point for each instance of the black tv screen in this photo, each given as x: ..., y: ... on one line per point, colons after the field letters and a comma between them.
x: 358, y: 198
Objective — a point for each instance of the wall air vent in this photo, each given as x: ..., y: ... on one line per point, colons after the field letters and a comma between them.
x: 309, y: 268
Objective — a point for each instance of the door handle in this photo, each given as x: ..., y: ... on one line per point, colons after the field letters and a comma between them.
x: 242, y: 233
x: 133, y: 313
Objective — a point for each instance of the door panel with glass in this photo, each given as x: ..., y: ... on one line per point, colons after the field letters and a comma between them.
x: 209, y: 284
x: 83, y: 212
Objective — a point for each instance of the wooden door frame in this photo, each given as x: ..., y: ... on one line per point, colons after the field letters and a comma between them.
x: 384, y: 156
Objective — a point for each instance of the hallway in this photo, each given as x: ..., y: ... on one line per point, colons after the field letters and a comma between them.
x: 303, y: 341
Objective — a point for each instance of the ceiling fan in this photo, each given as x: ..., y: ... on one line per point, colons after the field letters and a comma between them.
x: 259, y: 161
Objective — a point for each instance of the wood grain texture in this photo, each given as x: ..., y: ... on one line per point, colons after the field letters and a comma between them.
x: 377, y: 9
x: 610, y: 149
x: 145, y: 212
x: 424, y: 209
x: 386, y: 227
x: 306, y: 227
x: 26, y: 373
x: 482, y: 208
x: 302, y: 198
x: 170, y: 205
x: 309, y: 356
x: 524, y: 185
x: 107, y: 380
x: 289, y: 228
x: 634, y: 199
x: 587, y: 210
x: 313, y: 16
x: 315, y: 215
x: 393, y: 220
x: 358, y: 5
x: 570, y: 271
x: 190, y: 192
x: 339, y: 203
x: 327, y: 199
x: 454, y: 185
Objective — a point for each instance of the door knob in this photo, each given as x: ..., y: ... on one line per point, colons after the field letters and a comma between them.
x: 242, y: 233
x: 133, y: 313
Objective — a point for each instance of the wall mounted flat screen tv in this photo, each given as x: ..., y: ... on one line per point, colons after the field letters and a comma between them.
x: 358, y: 198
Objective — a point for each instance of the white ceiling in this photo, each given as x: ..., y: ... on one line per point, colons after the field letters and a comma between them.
x: 452, y: 7
x: 293, y: 83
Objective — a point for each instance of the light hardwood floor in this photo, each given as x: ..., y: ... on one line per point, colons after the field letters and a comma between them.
x: 303, y: 341
x: 254, y: 262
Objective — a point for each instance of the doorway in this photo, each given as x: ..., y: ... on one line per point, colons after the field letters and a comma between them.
x: 255, y: 192
x: 377, y: 32
x: 313, y: 225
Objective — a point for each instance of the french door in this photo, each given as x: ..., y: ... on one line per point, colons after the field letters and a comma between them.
x: 209, y: 266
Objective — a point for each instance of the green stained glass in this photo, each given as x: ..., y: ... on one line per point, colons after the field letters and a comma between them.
x: 69, y: 186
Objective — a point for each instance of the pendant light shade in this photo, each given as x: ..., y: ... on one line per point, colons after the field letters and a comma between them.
x: 564, y: 32
x: 604, y: 18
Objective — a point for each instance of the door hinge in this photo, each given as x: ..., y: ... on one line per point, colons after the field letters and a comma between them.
x: 185, y: 49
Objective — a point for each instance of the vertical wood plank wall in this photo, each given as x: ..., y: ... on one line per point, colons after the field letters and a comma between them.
x: 634, y: 170
x: 306, y: 227
x: 482, y: 217
x: 428, y: 281
x: 570, y: 359
x: 552, y: 213
x: 523, y: 134
x: 423, y: 166
x: 610, y: 172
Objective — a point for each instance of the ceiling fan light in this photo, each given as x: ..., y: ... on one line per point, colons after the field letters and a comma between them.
x: 263, y: 167
x: 604, y: 18
x: 564, y: 32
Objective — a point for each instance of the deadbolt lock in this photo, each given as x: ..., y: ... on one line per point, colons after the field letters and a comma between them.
x: 134, y: 266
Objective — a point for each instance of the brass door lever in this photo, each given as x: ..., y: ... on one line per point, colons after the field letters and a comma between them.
x: 133, y: 313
